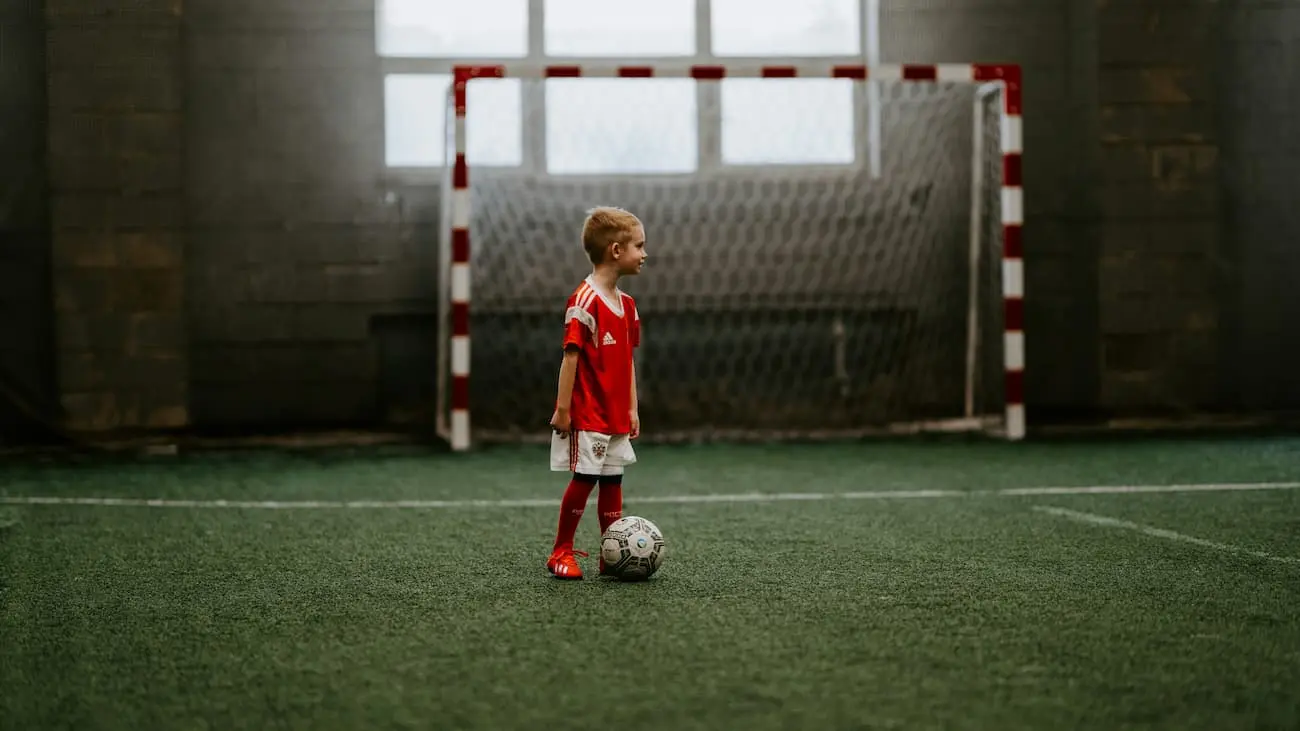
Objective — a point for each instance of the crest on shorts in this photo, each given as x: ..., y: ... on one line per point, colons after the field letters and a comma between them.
x: 598, y: 449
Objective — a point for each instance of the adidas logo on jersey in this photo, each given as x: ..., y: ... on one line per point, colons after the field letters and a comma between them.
x: 609, y: 340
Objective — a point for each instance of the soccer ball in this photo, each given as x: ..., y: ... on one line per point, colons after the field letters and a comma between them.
x: 633, y: 549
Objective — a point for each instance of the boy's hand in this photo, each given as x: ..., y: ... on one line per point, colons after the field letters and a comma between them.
x: 636, y: 426
x: 560, y: 421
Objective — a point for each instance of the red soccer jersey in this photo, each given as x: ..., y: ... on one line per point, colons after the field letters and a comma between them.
x: 606, y: 332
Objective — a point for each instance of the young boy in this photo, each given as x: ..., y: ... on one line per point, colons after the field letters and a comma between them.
x: 596, y: 408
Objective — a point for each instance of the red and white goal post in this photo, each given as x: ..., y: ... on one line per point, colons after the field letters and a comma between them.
x: 893, y: 302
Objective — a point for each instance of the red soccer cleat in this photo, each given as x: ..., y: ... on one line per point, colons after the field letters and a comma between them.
x: 563, y: 565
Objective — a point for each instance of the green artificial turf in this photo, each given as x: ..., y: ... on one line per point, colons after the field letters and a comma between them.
x: 973, y: 610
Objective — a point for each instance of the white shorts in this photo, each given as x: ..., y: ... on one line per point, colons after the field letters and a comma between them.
x: 591, y: 453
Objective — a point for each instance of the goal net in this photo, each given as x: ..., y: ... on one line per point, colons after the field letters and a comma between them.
x: 802, y: 296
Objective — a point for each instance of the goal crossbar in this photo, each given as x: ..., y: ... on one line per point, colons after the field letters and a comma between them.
x: 454, y: 408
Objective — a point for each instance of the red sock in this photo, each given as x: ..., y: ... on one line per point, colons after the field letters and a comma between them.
x: 610, y: 504
x: 571, y: 508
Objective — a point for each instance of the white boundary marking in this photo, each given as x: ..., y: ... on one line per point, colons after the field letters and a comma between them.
x: 747, y: 497
x: 1126, y: 489
x: 1150, y: 530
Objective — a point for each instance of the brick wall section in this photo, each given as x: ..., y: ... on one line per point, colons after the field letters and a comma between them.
x: 1158, y: 281
x: 1260, y: 111
x: 294, y: 245
x: 115, y: 171
x: 25, y: 328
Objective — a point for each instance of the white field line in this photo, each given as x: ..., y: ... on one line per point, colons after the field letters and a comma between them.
x: 1150, y: 530
x: 1122, y: 489
x: 750, y: 497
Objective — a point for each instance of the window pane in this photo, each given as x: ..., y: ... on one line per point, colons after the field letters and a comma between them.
x: 621, y: 126
x: 620, y: 27
x: 415, y: 127
x: 452, y: 28
x: 783, y: 28
x: 787, y: 122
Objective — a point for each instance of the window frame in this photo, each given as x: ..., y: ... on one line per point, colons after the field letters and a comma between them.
x: 541, y: 39
x: 708, y: 105
x: 446, y: 93
x: 463, y: 58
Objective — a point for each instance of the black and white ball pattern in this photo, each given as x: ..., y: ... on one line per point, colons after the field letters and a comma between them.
x: 633, y: 548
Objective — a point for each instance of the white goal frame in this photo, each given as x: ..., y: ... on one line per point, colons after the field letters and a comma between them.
x: 453, y: 403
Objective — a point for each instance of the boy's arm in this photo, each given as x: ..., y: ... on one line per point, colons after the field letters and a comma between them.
x: 564, y: 397
x: 636, y: 343
x: 636, y: 416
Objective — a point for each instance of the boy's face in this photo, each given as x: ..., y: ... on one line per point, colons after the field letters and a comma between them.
x: 630, y: 256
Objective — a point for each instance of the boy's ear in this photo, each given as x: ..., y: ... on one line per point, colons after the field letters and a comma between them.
x: 615, y: 249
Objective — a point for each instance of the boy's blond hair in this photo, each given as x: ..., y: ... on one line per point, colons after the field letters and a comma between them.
x: 604, y: 226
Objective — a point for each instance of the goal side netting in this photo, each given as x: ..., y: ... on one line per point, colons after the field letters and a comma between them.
x: 810, y: 295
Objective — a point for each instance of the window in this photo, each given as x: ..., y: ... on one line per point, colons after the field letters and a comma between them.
x: 625, y: 28
x: 782, y: 28
x: 767, y: 122
x: 621, y: 126
x: 788, y: 122
x: 632, y: 126
x: 415, y: 121
x: 452, y: 28
x: 594, y: 126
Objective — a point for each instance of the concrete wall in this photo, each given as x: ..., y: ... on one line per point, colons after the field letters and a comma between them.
x: 1259, y: 112
x: 1160, y: 290
x: 292, y: 246
x: 227, y: 252
x: 26, y: 358
x: 1198, y: 114
x: 115, y: 165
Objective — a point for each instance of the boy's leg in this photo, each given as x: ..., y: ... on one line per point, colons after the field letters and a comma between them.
x: 609, y: 502
x: 561, y: 561
x: 572, y: 505
x: 582, y: 453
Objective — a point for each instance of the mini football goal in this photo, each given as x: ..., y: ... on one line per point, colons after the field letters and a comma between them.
x: 779, y: 301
